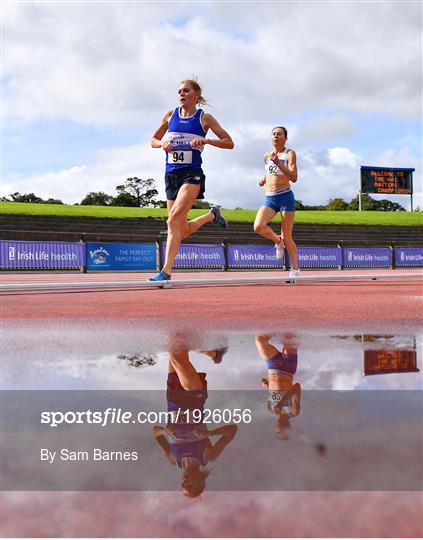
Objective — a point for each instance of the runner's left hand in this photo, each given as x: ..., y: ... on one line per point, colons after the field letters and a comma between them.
x: 198, y: 143
x: 274, y: 157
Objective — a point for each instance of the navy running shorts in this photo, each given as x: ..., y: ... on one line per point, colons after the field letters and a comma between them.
x: 185, y: 175
x: 179, y: 398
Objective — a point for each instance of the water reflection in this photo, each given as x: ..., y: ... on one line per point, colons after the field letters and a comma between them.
x: 373, y: 439
x: 74, y: 357
x: 139, y: 360
x: 186, y: 441
x: 284, y: 396
x: 321, y: 438
x: 382, y: 360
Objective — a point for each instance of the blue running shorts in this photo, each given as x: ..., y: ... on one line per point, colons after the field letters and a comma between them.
x: 281, y: 202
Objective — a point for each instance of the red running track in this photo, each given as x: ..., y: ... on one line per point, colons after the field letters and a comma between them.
x: 375, y: 305
x: 371, y: 306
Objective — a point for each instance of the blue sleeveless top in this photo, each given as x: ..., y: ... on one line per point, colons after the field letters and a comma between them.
x: 185, y: 443
x: 285, y: 364
x: 181, y: 132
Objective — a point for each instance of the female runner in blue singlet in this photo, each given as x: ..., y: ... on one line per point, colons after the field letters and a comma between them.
x: 186, y: 128
x: 186, y: 443
x: 280, y: 170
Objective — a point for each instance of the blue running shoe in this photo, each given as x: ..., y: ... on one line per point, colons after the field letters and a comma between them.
x: 161, y: 276
x: 218, y: 218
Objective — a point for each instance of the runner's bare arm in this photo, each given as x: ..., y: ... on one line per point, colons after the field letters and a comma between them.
x: 227, y: 434
x: 159, y: 437
x: 224, y: 139
x: 291, y: 171
x: 156, y: 139
x: 262, y: 181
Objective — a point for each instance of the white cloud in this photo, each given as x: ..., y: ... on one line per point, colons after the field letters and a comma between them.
x: 231, y: 175
x: 343, y: 157
x: 327, y: 174
x: 323, y: 129
x: 104, y: 172
x: 119, y: 63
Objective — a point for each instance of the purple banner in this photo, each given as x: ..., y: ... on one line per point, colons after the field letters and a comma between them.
x: 319, y: 257
x: 251, y: 256
x: 409, y: 256
x: 367, y: 257
x: 15, y: 254
x: 198, y: 256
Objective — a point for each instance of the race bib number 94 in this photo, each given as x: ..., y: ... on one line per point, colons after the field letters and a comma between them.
x: 180, y: 156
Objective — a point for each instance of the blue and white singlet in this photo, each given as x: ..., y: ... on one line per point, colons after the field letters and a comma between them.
x: 270, y: 167
x: 181, y: 131
x: 184, y: 443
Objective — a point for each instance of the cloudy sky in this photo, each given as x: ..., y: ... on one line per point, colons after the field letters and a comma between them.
x: 85, y: 84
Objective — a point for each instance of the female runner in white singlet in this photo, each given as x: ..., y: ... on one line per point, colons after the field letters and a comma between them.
x: 280, y: 171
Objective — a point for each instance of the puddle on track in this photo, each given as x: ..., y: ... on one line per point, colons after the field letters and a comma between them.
x: 354, y: 425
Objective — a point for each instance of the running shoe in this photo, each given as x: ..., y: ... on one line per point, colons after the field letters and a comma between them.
x: 219, y: 355
x: 161, y: 276
x: 218, y: 218
x: 279, y: 250
x: 294, y: 273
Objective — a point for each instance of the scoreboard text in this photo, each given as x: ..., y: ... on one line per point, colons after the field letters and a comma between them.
x: 386, y: 180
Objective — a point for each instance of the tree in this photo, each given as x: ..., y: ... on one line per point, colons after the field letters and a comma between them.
x: 50, y: 200
x: 388, y: 206
x: 161, y: 204
x: 29, y: 198
x: 97, y: 198
x: 367, y: 203
x: 125, y: 199
x: 139, y: 190
x: 25, y: 197
x: 337, y: 204
x: 201, y: 204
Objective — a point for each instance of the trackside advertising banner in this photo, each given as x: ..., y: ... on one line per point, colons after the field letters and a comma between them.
x: 367, y: 257
x: 319, y: 257
x: 409, y: 256
x: 198, y: 256
x: 121, y: 256
x: 248, y: 255
x: 16, y: 254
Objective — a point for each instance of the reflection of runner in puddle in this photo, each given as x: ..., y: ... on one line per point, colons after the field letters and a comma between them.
x: 188, y: 444
x: 284, y: 396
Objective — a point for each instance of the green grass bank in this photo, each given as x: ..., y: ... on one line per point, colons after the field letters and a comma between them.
x: 324, y: 217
